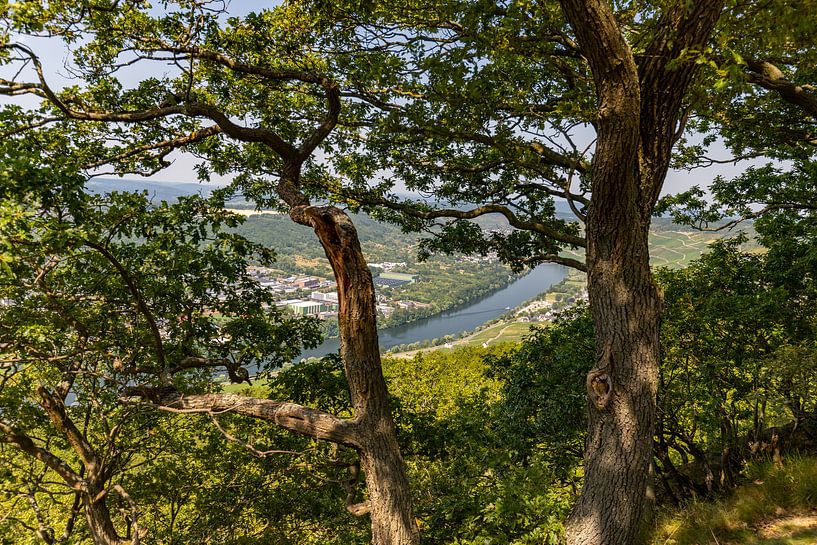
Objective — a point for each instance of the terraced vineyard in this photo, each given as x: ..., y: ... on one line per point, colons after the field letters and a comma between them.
x: 676, y: 249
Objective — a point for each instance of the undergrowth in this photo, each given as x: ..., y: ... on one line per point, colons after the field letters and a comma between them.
x: 772, y: 491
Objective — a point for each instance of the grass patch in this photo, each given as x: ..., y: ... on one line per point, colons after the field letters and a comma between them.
x: 500, y: 333
x: 775, y: 507
x: 487, y: 333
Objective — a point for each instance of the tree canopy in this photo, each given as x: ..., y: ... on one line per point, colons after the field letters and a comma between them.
x: 479, y: 108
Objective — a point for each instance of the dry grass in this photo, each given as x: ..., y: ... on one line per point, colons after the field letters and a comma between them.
x: 778, y: 506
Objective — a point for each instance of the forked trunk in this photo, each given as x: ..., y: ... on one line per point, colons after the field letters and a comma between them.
x: 626, y: 309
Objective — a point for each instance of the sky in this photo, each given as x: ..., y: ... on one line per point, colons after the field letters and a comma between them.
x: 54, y: 58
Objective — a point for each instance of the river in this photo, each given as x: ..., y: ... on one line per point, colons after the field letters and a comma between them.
x: 463, y: 317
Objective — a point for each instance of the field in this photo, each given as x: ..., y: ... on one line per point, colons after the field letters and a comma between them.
x: 501, y: 332
x: 676, y: 249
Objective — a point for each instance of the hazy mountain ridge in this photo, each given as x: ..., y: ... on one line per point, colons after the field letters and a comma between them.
x: 157, y: 190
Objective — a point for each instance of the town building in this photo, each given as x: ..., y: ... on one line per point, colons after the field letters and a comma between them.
x: 306, y: 308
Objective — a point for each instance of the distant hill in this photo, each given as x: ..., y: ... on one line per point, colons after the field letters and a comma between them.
x: 170, y: 191
x: 157, y: 190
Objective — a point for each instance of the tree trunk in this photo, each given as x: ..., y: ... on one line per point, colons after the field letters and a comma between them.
x: 622, y: 386
x: 371, y: 431
x: 98, y: 517
x: 637, y: 123
x: 389, y: 498
x: 624, y: 303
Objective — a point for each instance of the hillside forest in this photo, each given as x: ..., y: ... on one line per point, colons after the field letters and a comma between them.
x: 147, y: 388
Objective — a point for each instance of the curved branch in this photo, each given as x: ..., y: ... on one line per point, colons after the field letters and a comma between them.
x: 245, y: 134
x: 240, y: 132
x: 758, y: 213
x: 358, y: 509
x: 558, y: 259
x: 125, y: 117
x: 137, y: 116
x: 290, y: 416
x: 244, y: 68
x: 55, y: 409
x: 329, y: 122
x: 331, y: 87
x: 771, y: 78
x: 25, y: 444
x: 134, y: 517
x: 512, y: 218
x: 170, y: 144
x: 137, y: 295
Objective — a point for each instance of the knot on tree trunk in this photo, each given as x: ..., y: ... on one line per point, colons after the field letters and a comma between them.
x: 350, y: 486
x: 599, y: 388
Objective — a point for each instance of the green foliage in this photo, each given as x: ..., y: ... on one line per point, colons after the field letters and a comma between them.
x: 771, y: 492
x: 738, y: 359
x: 544, y: 398
x: 469, y: 485
x: 318, y: 383
x: 198, y: 487
x: 101, y: 291
x: 728, y: 322
x: 468, y: 102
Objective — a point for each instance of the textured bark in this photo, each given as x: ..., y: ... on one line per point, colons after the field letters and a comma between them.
x: 98, y: 517
x: 770, y: 77
x: 638, y: 115
x: 622, y: 387
x: 623, y: 301
x: 290, y: 416
x: 94, y: 493
x: 389, y: 498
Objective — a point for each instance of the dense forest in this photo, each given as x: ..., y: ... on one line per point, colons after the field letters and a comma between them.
x: 485, y: 137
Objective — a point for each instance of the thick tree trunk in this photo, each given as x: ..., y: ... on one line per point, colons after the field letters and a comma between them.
x: 624, y: 303
x: 389, y: 498
x: 638, y: 112
x: 622, y: 386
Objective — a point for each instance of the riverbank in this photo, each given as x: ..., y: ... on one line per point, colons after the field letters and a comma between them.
x: 500, y: 332
x: 514, y: 325
x: 416, y: 312
x: 462, y: 318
